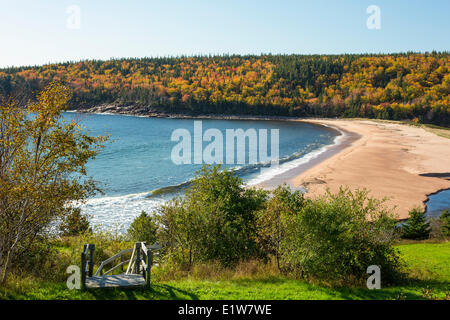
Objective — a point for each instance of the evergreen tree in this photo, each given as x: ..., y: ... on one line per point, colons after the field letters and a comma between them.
x: 416, y: 227
x: 74, y: 223
x: 144, y: 229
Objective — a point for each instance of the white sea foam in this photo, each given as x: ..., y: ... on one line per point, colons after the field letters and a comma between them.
x: 118, y: 211
x: 273, y: 171
x: 107, y: 114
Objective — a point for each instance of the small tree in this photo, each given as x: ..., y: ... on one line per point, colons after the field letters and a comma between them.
x: 445, y: 223
x: 42, y: 169
x: 74, y: 223
x: 143, y: 229
x: 416, y: 227
x: 216, y: 220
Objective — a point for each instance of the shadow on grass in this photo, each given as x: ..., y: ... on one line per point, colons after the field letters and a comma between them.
x: 155, y: 292
x: 264, y: 288
x: 412, y: 289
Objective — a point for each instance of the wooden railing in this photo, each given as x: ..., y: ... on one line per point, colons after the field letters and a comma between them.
x: 123, y: 262
x: 87, y: 266
x: 140, y: 262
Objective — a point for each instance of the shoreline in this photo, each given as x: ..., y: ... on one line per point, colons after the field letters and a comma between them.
x: 347, y: 137
x: 160, y: 115
x: 405, y: 163
x: 389, y: 159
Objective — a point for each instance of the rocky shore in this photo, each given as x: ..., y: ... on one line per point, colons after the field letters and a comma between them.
x: 141, y: 111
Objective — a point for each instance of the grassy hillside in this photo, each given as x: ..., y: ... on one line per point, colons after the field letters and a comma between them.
x: 395, y: 86
x: 427, y: 262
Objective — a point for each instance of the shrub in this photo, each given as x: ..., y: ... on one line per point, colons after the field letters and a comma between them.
x: 143, y: 229
x: 445, y: 223
x: 44, y: 260
x: 74, y: 223
x: 214, y: 221
x: 436, y: 230
x: 334, y: 238
x: 273, y: 221
x: 416, y: 227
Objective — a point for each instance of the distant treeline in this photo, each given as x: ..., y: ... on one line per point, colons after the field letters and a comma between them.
x: 414, y: 86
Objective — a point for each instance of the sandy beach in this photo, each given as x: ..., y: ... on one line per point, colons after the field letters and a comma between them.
x: 404, y: 163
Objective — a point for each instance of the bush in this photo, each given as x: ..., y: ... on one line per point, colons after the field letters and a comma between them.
x: 273, y: 221
x: 335, y: 238
x: 436, y: 230
x: 74, y: 223
x: 445, y: 223
x: 416, y: 227
x: 42, y: 259
x: 214, y: 221
x: 48, y: 258
x: 143, y: 229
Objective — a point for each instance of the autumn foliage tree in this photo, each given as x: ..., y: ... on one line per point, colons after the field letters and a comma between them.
x: 386, y: 86
x: 42, y: 169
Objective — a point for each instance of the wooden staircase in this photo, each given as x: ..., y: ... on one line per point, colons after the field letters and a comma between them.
x: 138, y: 271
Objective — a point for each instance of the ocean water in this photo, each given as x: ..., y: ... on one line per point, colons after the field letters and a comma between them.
x: 136, y: 171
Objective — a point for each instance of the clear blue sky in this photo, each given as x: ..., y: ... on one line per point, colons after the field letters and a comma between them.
x: 35, y: 32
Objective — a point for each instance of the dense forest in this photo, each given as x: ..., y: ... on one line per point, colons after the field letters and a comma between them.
x: 414, y: 86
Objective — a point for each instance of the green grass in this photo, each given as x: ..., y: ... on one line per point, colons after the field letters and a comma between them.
x: 428, y: 260
x: 428, y: 263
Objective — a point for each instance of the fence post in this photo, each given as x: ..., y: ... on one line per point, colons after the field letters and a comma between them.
x: 83, y: 267
x: 91, y: 259
x: 137, y: 265
x: 149, y: 266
